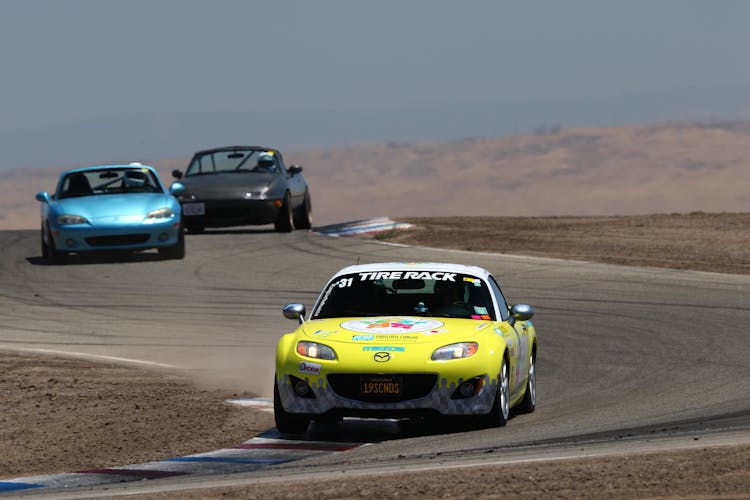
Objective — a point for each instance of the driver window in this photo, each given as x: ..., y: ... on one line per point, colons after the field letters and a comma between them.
x: 502, y: 304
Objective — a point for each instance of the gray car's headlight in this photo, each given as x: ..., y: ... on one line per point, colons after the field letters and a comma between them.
x: 69, y: 219
x: 455, y: 351
x: 257, y: 195
x: 159, y: 214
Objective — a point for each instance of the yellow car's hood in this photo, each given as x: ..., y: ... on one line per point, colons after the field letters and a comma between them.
x: 398, y: 330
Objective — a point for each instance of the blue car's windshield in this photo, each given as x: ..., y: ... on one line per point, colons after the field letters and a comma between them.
x: 410, y: 293
x: 234, y: 161
x: 109, y: 181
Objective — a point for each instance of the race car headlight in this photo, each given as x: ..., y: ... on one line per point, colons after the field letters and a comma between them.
x: 455, y: 351
x: 257, y: 195
x: 68, y: 219
x: 315, y: 350
x: 158, y: 214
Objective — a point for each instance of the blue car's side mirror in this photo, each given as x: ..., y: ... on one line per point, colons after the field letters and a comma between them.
x: 42, y: 196
x: 176, y: 189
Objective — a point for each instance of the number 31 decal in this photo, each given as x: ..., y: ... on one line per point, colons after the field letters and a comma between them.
x: 345, y: 282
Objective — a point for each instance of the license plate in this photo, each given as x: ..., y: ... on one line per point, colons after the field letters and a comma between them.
x: 194, y: 209
x: 373, y: 385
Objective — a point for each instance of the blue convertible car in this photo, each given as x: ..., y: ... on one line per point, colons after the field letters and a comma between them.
x: 111, y: 207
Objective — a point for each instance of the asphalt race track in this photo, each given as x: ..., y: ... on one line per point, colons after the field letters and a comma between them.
x: 625, y: 354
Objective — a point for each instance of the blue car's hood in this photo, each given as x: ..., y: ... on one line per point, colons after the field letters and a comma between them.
x: 115, y: 205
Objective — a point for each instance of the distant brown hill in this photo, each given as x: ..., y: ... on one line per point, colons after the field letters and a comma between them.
x: 639, y: 169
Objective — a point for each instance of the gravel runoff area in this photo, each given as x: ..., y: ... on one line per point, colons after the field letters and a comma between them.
x: 62, y: 414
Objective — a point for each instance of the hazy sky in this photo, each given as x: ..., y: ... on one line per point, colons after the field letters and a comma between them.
x: 68, y: 60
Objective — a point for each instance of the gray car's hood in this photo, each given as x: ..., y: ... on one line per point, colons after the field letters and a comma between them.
x: 227, y: 185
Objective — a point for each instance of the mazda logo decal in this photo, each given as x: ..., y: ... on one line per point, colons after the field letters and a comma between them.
x: 382, y: 357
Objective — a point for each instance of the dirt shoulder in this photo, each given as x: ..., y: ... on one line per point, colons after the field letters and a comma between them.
x: 61, y: 415
x: 64, y: 414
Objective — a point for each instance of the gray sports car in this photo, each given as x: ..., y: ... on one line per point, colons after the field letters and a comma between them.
x: 243, y: 185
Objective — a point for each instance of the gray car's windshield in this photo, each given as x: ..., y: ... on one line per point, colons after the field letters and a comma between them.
x: 406, y: 293
x: 233, y: 161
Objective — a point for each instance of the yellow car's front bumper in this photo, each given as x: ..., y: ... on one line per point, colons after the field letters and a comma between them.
x: 439, y: 399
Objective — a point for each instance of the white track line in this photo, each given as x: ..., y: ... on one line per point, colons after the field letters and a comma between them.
x: 85, y: 355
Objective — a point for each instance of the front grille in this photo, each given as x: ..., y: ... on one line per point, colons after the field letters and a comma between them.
x: 233, y: 210
x: 117, y: 240
x: 230, y: 212
x: 415, y: 386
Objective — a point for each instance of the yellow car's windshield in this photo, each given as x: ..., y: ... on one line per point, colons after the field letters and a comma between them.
x: 414, y: 293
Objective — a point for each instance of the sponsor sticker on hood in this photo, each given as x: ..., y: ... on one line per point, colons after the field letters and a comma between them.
x: 392, y: 325
x: 386, y: 337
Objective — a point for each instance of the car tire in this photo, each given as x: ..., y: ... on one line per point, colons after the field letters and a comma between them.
x: 285, y: 221
x: 176, y: 251
x: 303, y: 219
x: 287, y: 423
x: 45, y: 248
x: 500, y: 412
x: 49, y: 251
x: 528, y: 404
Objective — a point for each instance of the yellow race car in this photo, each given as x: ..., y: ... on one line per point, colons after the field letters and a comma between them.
x: 397, y: 340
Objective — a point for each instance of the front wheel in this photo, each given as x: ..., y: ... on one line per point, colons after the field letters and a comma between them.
x: 498, y: 415
x: 303, y: 218
x: 176, y: 251
x: 45, y: 248
x: 287, y: 423
x: 284, y: 221
x: 49, y: 251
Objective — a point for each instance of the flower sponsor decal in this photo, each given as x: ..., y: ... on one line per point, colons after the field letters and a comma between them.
x: 395, y: 324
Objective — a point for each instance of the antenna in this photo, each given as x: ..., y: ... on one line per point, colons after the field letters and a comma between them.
x: 357, y: 259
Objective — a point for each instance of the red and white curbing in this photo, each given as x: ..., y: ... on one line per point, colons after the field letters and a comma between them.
x: 270, y: 448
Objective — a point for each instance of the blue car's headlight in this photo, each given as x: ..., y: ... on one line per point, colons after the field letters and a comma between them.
x: 315, y: 350
x: 159, y: 214
x: 69, y: 219
x: 455, y: 351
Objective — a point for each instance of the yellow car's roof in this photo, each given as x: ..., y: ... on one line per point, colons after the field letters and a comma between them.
x: 479, y: 272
